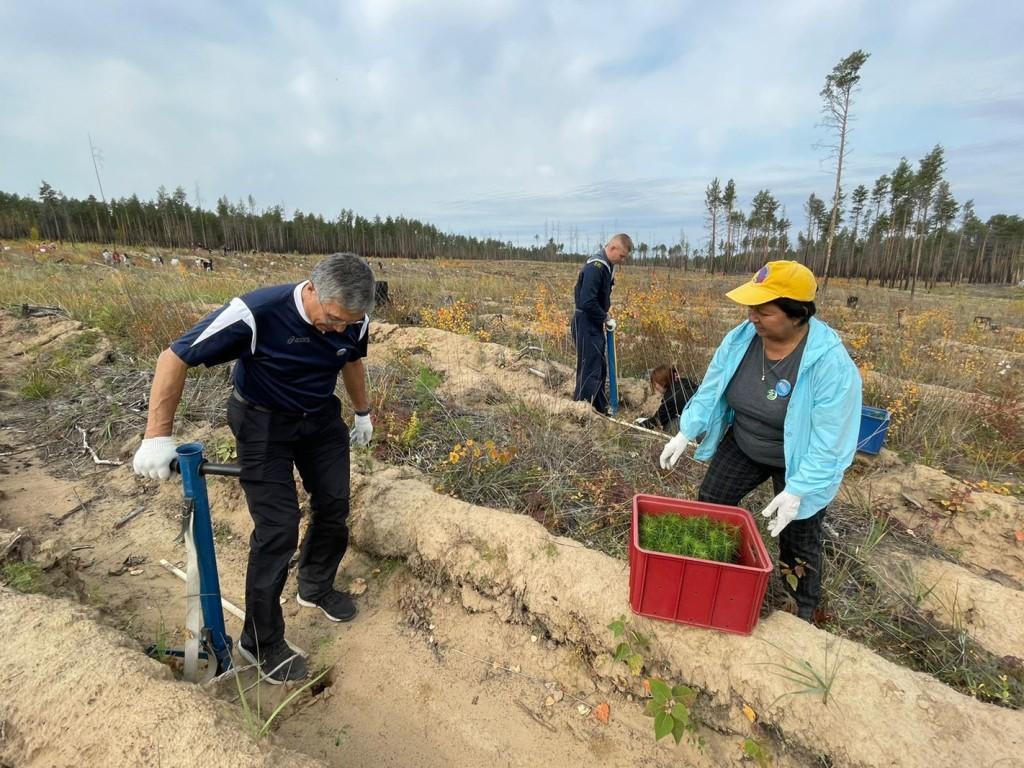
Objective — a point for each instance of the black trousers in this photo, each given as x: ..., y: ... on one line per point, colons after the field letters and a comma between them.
x: 591, y: 363
x: 270, y: 446
x: 731, y: 476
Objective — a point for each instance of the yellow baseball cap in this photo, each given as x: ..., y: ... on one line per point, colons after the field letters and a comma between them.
x: 776, y: 280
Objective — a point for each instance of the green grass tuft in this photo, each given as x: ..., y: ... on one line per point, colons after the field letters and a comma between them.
x: 25, y: 576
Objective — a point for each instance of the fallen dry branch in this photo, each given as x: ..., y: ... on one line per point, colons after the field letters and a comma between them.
x: 128, y: 518
x: 63, y: 518
x: 36, y: 310
x: 11, y: 541
x: 535, y: 717
x: 95, y: 458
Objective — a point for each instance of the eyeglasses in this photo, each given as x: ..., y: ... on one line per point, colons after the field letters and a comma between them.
x: 330, y: 319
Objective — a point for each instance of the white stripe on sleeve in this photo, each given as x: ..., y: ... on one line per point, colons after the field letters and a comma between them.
x: 235, y: 310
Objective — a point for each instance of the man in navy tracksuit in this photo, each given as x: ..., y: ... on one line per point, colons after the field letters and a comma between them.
x: 593, y: 301
x: 289, y: 342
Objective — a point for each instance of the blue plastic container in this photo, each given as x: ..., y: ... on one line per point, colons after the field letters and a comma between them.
x: 874, y: 425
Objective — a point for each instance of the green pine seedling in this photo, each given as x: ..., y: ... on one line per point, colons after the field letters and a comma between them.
x: 698, y: 537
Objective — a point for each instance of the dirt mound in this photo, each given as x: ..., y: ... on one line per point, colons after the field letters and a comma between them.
x: 472, y: 367
x: 428, y: 675
x: 879, y: 713
x: 991, y: 354
x: 417, y: 658
x: 977, y: 526
x: 993, y: 614
x: 74, y: 693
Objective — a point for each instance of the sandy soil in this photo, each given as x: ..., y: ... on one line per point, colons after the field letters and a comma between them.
x: 418, y: 679
x: 75, y: 693
x: 454, y: 655
x: 977, y: 526
x: 990, y: 612
x: 882, y: 714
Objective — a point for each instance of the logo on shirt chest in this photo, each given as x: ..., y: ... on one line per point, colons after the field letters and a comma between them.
x: 298, y: 339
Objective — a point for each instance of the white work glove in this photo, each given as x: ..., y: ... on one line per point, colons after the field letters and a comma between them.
x: 610, y: 323
x: 154, y: 456
x: 784, y: 507
x: 362, y: 430
x: 641, y: 420
x: 673, y: 450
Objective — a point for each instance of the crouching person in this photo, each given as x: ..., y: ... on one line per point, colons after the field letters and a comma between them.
x: 290, y: 342
x: 675, y: 393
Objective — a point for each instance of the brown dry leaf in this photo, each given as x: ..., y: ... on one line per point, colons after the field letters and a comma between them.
x: 602, y: 712
x: 647, y: 686
x: 750, y: 713
x: 1019, y: 536
x: 357, y: 587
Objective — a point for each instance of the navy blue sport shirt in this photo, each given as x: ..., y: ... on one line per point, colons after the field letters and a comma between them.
x: 284, y: 362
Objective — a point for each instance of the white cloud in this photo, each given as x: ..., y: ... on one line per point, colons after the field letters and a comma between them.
x: 523, y: 113
x: 303, y: 87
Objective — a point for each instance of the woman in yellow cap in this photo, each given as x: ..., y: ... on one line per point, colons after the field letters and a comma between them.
x: 782, y: 400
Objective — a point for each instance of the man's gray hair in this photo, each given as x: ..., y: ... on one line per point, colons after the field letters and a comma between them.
x: 346, y: 279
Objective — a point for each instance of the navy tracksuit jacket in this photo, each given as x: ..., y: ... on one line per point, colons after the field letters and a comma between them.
x: 593, y: 295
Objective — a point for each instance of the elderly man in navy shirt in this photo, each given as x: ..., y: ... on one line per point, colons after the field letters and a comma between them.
x: 289, y: 343
x: 593, y: 296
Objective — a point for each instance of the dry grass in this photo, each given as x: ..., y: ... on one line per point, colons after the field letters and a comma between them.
x: 974, y: 426
x: 954, y: 404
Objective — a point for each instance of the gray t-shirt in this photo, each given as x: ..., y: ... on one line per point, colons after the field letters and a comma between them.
x: 760, y: 406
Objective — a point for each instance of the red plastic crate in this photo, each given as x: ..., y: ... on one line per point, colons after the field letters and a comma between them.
x: 694, y: 591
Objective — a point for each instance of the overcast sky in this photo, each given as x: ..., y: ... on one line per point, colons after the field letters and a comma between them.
x: 492, y: 117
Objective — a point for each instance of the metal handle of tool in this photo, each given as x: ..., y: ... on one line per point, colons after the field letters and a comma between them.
x: 207, y: 468
x: 613, y: 374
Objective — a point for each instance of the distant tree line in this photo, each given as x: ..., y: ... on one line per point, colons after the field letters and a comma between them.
x: 171, y: 221
x: 906, y: 229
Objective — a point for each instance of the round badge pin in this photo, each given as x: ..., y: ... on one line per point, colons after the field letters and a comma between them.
x: 783, y: 388
x: 771, y: 394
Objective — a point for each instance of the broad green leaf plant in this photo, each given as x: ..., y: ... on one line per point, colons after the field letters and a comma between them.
x: 671, y: 710
x: 630, y: 647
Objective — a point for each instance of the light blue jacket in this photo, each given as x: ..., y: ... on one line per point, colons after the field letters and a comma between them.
x: 822, y: 421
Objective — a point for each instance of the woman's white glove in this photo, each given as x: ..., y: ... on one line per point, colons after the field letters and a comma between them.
x: 609, y: 323
x: 153, y: 458
x: 362, y: 430
x: 784, y: 507
x: 673, y: 450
